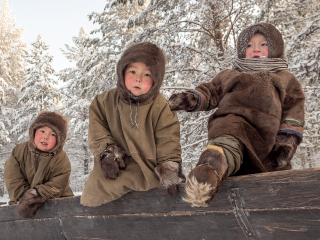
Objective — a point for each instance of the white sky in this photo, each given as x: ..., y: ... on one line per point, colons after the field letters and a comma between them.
x: 57, y: 21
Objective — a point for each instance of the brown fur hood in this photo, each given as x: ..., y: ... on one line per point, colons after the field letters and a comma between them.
x: 153, y: 57
x: 57, y: 122
x: 272, y: 35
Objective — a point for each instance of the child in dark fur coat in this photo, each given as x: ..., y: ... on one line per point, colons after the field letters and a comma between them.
x: 133, y: 134
x: 39, y: 169
x: 259, y: 119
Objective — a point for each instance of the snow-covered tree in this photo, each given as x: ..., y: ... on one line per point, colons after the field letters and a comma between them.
x: 78, y: 93
x: 12, y: 49
x: 78, y: 89
x: 12, y: 66
x: 39, y: 91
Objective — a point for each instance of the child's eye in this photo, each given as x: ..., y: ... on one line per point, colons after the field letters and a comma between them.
x: 264, y: 44
x: 41, y: 131
x: 52, y: 134
x: 148, y: 75
x: 249, y: 45
x: 132, y: 72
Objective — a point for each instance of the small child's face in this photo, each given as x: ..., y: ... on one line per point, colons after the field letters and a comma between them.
x: 137, y: 78
x: 257, y: 47
x: 45, y: 138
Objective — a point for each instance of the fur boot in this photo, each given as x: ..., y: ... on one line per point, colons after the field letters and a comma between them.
x: 170, y: 175
x: 284, y: 149
x: 29, y: 203
x: 111, y: 161
x: 183, y: 101
x: 205, y: 179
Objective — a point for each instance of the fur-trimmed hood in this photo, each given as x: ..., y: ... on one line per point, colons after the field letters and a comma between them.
x: 57, y: 122
x: 153, y: 57
x: 272, y: 35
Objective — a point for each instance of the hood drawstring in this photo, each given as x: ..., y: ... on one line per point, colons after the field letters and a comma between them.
x: 135, y: 118
x: 35, y: 155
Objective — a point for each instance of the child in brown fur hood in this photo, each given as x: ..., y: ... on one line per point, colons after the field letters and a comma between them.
x: 259, y: 119
x: 39, y: 169
x: 133, y: 134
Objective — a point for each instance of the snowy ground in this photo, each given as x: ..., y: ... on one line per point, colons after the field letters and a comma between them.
x: 4, y: 200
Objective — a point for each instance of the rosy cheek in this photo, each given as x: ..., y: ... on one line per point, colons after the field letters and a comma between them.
x: 248, y: 52
x: 128, y: 82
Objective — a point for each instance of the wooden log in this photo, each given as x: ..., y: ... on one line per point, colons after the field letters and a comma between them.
x: 277, y: 205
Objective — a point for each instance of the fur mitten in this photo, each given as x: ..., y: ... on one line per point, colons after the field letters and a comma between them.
x: 111, y: 161
x: 284, y: 149
x: 170, y: 175
x: 29, y: 203
x: 183, y: 101
x: 205, y: 179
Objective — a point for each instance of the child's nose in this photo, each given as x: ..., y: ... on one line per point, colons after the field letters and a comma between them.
x: 257, y: 49
x: 138, y: 79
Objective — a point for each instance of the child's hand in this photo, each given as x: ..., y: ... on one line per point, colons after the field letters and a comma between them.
x: 170, y: 176
x: 283, y: 150
x: 183, y: 101
x: 111, y: 161
x: 29, y: 203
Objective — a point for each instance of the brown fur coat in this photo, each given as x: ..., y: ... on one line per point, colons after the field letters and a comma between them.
x: 253, y: 107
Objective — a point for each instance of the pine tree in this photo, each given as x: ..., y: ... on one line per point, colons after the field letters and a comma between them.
x: 78, y: 93
x: 12, y: 67
x: 39, y: 91
x: 12, y: 48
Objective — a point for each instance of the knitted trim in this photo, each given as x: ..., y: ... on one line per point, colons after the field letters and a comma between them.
x: 219, y: 149
x: 289, y: 126
x: 259, y: 65
x: 291, y: 131
x: 202, y: 101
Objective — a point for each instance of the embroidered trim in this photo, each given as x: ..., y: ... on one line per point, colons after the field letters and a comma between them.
x: 293, y: 121
x: 206, y: 105
x: 291, y: 131
x: 219, y: 149
x: 202, y: 104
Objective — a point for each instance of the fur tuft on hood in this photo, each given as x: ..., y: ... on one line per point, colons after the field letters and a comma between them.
x: 57, y: 122
x: 272, y: 35
x: 151, y: 55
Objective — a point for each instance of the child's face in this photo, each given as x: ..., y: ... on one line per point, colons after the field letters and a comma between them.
x: 45, y: 138
x: 257, y: 47
x: 137, y: 78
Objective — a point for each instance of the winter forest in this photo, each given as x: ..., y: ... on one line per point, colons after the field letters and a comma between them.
x: 198, y: 38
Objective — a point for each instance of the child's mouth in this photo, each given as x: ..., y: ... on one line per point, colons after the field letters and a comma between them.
x: 43, y: 143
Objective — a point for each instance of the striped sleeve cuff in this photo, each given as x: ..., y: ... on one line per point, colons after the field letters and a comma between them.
x: 203, y: 104
x: 291, y: 126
